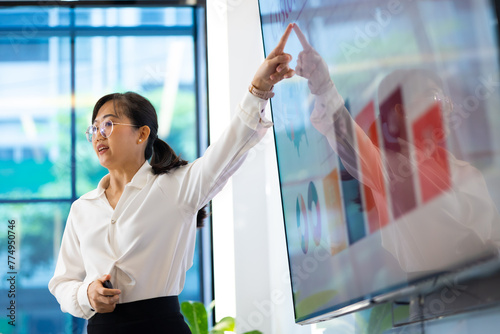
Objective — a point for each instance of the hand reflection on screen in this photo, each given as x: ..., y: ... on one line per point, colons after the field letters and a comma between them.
x: 434, y: 211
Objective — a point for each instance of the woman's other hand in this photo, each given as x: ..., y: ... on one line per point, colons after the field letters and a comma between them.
x: 311, y: 66
x: 101, y: 299
x: 275, y: 67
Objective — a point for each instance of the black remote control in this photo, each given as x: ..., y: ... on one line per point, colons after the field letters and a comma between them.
x: 107, y: 284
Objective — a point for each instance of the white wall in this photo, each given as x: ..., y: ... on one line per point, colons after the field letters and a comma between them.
x: 251, y: 275
x: 250, y: 259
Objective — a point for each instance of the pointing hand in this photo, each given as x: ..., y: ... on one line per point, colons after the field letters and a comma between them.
x: 275, y: 67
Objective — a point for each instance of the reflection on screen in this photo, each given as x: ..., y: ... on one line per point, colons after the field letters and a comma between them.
x: 402, y: 181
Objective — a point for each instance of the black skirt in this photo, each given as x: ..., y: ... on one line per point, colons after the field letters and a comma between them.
x: 156, y: 315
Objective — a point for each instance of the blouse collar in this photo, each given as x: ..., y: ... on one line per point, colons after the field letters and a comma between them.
x: 139, y: 180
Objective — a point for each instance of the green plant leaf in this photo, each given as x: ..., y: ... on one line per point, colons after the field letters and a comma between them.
x: 210, y: 309
x: 225, y: 324
x: 211, y: 306
x: 253, y: 332
x: 196, y: 316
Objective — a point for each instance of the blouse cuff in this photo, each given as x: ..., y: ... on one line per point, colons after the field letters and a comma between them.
x: 83, y: 300
x: 252, y: 111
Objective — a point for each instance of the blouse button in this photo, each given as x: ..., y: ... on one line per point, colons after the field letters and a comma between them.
x: 113, y: 221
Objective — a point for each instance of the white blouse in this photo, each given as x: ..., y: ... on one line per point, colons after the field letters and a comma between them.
x: 147, y: 242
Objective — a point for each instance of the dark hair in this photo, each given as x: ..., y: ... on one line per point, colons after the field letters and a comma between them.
x: 141, y: 112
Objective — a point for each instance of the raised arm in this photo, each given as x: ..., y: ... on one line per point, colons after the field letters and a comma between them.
x: 201, y: 180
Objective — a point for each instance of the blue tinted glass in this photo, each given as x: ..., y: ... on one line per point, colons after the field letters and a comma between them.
x: 29, y: 243
x: 29, y: 19
x: 36, y: 123
x: 34, y: 118
x: 133, y: 17
x: 24, y: 50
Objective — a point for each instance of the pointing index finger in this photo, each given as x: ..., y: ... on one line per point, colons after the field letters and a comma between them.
x: 281, y: 45
x: 302, y: 38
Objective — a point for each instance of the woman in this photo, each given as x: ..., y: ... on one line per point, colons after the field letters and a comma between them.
x: 137, y: 229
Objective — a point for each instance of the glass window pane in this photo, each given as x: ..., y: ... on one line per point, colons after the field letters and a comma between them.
x: 36, y: 123
x: 30, y: 19
x: 35, y: 236
x: 133, y: 17
x: 35, y: 118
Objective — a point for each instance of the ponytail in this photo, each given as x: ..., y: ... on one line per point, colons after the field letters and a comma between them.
x: 141, y: 112
x: 163, y: 157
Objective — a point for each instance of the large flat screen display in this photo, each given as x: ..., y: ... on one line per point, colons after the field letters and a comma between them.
x: 397, y: 178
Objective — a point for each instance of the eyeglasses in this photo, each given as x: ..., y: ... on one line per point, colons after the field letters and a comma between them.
x: 105, y: 128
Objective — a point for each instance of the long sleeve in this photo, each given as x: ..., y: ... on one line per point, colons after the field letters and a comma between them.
x: 201, y: 180
x: 67, y: 284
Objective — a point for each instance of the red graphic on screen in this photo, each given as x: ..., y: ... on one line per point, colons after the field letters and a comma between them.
x: 375, y: 201
x: 433, y: 168
x: 397, y: 156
